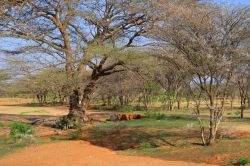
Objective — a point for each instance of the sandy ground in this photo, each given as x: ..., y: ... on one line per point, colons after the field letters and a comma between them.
x: 71, y: 153
x: 80, y: 153
x: 19, y: 110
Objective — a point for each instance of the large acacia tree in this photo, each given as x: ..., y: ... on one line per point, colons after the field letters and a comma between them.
x: 66, y: 29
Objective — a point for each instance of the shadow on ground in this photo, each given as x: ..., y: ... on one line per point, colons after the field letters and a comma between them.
x: 123, y: 138
x: 24, y: 118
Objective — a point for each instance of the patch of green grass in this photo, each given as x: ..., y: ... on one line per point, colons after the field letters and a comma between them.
x: 129, y: 109
x: 142, y: 132
x: 8, y: 146
x: 147, y: 145
x: 34, y: 112
x: 1, y: 124
x: 74, y: 135
x: 197, y: 153
x: 169, y: 122
x: 20, y: 131
x: 126, y: 138
x: 244, y: 161
x: 168, y: 137
x: 155, y: 115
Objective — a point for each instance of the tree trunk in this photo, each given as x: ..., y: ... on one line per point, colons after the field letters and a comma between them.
x: 146, y: 101
x: 214, y: 122
x: 38, y: 96
x: 126, y: 100
x: 241, y: 112
x: 242, y: 107
x: 248, y: 102
x: 121, y: 99
x: 44, y: 98
x: 188, y: 103
x: 87, y: 93
x: 61, y: 98
x: 231, y: 103
x: 103, y: 101
x: 178, y: 104
x: 171, y: 105
x: 75, y: 109
x: 197, y: 104
x: 109, y: 100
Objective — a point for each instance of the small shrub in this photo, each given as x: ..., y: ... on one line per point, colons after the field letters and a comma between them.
x: 147, y: 145
x: 126, y: 109
x: 68, y: 123
x: 21, y: 131
x: 244, y: 161
x: 53, y: 138
x: 74, y: 135
x: 237, y: 113
x: 157, y: 116
x: 63, y: 122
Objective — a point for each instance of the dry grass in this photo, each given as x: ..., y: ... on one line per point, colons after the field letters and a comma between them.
x: 175, y: 137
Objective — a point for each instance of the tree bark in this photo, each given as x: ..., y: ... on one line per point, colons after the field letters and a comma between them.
x: 109, y: 100
x: 178, y: 104
x: 75, y: 109
x: 87, y: 92
x: 121, y: 99
x: 231, y: 103
x: 212, y: 131
x: 188, y: 103
x: 242, y: 107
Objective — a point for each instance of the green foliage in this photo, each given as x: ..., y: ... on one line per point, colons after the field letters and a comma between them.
x: 1, y: 124
x: 169, y: 95
x: 130, y: 109
x: 33, y: 103
x: 155, y: 115
x: 147, y: 145
x: 237, y: 113
x: 244, y: 161
x: 36, y: 112
x: 74, y: 135
x: 170, y: 122
x: 66, y: 122
x: 43, y: 83
x: 21, y: 131
x: 6, y: 146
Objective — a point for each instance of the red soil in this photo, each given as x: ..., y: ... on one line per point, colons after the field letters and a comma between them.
x: 80, y: 153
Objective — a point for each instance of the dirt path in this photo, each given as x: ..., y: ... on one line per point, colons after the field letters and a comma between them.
x: 24, y: 110
x: 79, y: 153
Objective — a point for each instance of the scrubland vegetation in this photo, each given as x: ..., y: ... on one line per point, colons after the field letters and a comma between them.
x: 181, y: 66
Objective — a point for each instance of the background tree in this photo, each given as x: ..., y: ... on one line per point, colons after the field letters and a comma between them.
x: 207, y: 40
x: 46, y: 84
x: 4, y: 76
x: 243, y: 84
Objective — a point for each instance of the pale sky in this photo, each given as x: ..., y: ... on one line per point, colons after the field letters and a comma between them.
x: 9, y: 44
x: 234, y: 2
